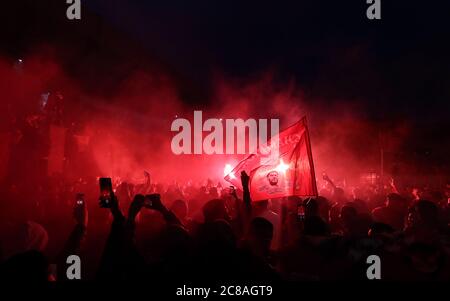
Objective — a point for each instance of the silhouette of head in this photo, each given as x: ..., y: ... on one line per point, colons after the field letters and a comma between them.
x: 315, y: 226
x: 423, y: 213
x: 214, y: 210
x: 213, y: 192
x: 395, y: 200
x: 260, y: 234
x: 179, y: 208
x: 348, y: 215
x: 216, y: 236
x: 324, y: 207
x: 30, y: 266
x: 377, y: 229
x: 311, y: 207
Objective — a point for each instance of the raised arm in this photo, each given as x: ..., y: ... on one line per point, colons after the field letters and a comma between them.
x: 148, y: 182
x: 392, y: 185
x: 245, y: 179
x: 243, y: 209
x: 153, y: 201
x: 80, y: 214
x: 327, y: 179
x: 119, y: 254
x: 76, y: 237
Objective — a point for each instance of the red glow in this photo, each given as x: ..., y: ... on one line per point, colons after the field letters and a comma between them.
x: 227, y: 171
x: 282, y: 167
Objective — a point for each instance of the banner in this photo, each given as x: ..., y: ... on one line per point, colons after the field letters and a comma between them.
x: 286, y: 170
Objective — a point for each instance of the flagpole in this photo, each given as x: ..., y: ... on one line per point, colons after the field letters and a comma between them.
x: 311, y: 162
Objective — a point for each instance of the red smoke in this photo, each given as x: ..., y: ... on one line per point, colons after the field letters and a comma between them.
x: 129, y: 126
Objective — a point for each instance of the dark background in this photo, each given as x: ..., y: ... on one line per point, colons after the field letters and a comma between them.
x: 399, y: 63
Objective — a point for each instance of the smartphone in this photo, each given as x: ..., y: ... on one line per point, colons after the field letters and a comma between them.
x: 300, y: 212
x: 106, y: 192
x: 79, y: 199
x: 150, y: 199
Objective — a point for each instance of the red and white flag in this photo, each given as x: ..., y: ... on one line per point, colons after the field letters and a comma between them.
x: 286, y: 170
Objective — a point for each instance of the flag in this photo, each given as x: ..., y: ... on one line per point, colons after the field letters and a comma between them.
x: 286, y: 170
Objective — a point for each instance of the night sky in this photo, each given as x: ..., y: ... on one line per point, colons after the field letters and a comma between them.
x: 329, y: 47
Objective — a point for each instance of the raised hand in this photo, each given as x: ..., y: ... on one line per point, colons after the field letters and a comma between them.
x: 245, y: 179
x: 113, y: 205
x: 80, y: 213
x: 153, y: 201
x: 136, y: 206
x: 327, y: 178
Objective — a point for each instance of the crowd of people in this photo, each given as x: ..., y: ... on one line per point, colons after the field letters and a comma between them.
x: 210, y: 231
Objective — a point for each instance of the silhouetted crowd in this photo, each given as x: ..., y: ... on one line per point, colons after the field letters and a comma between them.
x: 209, y: 231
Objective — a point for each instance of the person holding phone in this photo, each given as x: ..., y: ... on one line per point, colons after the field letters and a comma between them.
x: 106, y: 192
x: 153, y: 201
x: 73, y: 245
x: 120, y: 255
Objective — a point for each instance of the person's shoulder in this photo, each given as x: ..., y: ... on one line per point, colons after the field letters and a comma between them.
x: 273, y: 215
x: 270, y: 215
x: 379, y: 209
